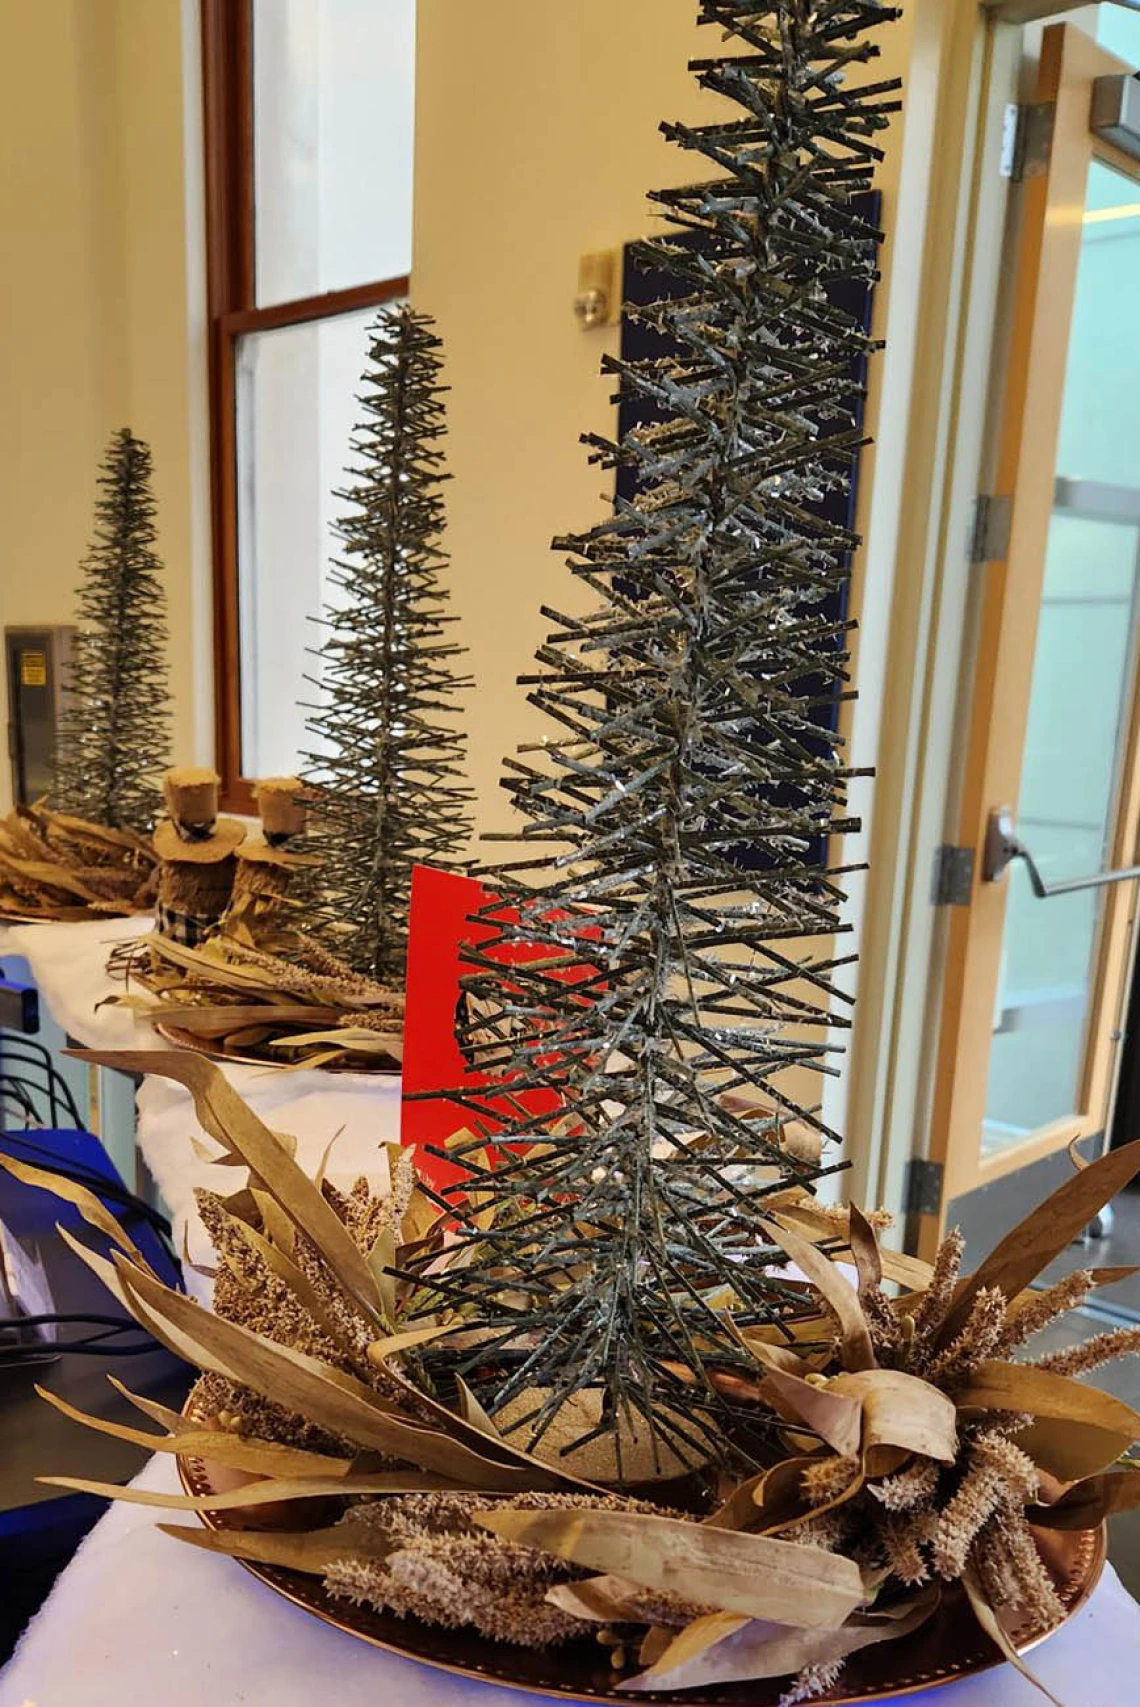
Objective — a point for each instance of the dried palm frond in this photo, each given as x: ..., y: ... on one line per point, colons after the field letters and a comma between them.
x: 240, y: 999
x: 880, y: 1482
x: 53, y: 866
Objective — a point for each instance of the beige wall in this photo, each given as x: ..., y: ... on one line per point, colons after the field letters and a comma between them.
x: 536, y: 141
x: 93, y: 299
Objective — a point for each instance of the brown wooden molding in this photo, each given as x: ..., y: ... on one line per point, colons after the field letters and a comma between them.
x: 231, y: 297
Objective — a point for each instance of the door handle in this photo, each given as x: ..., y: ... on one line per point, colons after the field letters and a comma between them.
x: 1003, y: 846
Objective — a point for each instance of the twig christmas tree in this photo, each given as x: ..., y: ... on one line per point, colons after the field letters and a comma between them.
x: 677, y: 974
x: 114, y: 740
x: 389, y: 769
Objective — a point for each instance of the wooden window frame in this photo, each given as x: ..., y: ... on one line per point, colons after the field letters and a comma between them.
x: 227, y: 87
x: 1031, y: 385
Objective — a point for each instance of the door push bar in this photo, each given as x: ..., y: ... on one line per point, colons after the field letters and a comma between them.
x: 1002, y: 847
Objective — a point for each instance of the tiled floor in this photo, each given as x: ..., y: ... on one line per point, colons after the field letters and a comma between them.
x: 1120, y: 1246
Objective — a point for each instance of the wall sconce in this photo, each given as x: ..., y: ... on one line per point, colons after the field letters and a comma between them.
x: 598, y: 301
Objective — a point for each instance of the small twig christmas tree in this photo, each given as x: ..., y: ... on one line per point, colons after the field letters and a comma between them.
x: 114, y: 740
x: 685, y: 754
x: 389, y: 769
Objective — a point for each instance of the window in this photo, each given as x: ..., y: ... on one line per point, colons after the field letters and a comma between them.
x: 309, y: 131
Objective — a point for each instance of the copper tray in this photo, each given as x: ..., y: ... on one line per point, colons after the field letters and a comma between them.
x: 206, y: 1046
x: 949, y: 1646
x: 64, y: 916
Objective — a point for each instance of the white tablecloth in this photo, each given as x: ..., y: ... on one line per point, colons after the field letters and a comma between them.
x: 138, y: 1618
x: 309, y: 1105
x: 69, y: 965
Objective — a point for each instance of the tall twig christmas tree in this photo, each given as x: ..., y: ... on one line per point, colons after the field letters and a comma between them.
x: 678, y: 811
x: 114, y: 741
x: 389, y: 769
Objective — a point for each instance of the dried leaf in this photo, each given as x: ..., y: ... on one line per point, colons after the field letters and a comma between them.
x: 278, y: 1228
x: 312, y: 1551
x: 691, y: 1644
x: 235, y: 1451
x: 779, y: 1498
x: 93, y: 1211
x: 653, y: 1644
x: 900, y: 1412
x: 211, y: 1158
x: 602, y: 1600
x: 350, y: 1039
x: 1087, y: 1503
x: 329, y: 1398
x: 1079, y: 1430
x: 722, y: 1568
x: 759, y: 1649
x: 472, y: 1411
x: 738, y: 1511
x: 419, y: 1218
x: 837, y: 1417
x: 865, y: 1250
x: 838, y: 1293
x: 323, y: 1164
x: 1110, y: 1275
x: 381, y: 1259
x: 173, y: 1421
x: 771, y: 1356
x: 394, y: 1344
x: 226, y: 1117
x: 1044, y: 1234
x: 807, y: 1218
x: 310, y: 1063
x: 269, y: 1491
x: 774, y: 1499
x: 206, y: 1271
x: 221, y: 1021
x: 910, y: 1272
x: 992, y: 1626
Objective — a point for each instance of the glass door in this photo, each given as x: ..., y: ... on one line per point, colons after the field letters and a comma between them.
x: 1084, y: 670
x: 1038, y: 959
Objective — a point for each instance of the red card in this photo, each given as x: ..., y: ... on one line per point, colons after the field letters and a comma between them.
x: 439, y: 930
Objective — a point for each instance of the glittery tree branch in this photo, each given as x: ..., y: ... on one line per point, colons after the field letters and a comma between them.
x: 114, y: 739
x: 389, y: 765
x: 676, y: 811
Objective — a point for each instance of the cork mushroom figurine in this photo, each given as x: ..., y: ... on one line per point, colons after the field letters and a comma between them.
x: 196, y: 851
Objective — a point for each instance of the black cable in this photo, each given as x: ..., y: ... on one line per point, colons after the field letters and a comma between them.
x: 28, y: 1053
x: 82, y: 1349
x: 20, y: 1096
x: 20, y: 1089
x: 91, y: 1345
x: 64, y: 1319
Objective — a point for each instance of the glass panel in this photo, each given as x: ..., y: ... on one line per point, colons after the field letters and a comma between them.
x: 1082, y: 685
x: 333, y: 100
x: 296, y: 408
x: 1118, y: 29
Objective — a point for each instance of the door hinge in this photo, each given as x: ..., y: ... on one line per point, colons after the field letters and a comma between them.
x: 991, y: 529
x: 1027, y: 139
x: 923, y: 1192
x: 953, y: 876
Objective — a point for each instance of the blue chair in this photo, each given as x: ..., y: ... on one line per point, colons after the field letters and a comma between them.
x: 40, y: 1527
